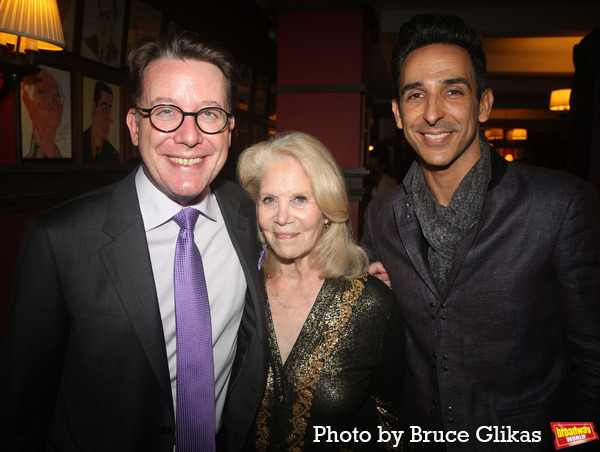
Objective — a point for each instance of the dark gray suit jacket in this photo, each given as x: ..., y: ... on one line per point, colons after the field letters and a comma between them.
x: 83, y: 362
x: 514, y: 340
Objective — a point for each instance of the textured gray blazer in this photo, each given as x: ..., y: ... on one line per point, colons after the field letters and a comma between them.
x: 514, y: 339
x: 83, y: 364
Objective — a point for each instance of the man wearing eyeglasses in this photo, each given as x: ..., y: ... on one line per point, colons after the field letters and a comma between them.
x: 90, y: 360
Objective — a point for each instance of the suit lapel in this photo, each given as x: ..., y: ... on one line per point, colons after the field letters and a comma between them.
x: 127, y: 262
x: 240, y: 220
x: 410, y: 235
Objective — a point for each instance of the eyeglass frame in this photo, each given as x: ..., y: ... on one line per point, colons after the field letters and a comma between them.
x: 148, y: 111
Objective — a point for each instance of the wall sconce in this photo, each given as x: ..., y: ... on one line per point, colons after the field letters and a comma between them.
x: 560, y: 100
x: 494, y: 134
x: 516, y: 134
x: 26, y: 26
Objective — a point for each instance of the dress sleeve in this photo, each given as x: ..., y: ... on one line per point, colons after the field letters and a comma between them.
x: 388, y: 376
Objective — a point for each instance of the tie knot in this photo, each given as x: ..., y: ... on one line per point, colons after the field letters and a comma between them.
x: 186, y: 218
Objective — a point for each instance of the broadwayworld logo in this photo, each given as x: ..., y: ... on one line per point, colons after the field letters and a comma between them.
x: 567, y: 434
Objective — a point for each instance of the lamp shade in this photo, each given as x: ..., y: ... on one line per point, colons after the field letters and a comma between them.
x: 494, y: 134
x: 560, y: 100
x: 516, y: 134
x: 37, y: 22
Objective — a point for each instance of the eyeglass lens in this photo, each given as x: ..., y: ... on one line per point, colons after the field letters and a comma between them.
x: 168, y: 118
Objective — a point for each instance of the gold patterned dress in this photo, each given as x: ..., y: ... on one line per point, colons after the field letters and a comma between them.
x: 343, y: 373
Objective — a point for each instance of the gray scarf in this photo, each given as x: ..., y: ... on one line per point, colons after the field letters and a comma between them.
x: 445, y: 227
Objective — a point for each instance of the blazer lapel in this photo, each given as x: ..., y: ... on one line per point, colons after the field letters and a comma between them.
x: 240, y: 220
x: 127, y: 261
x: 410, y: 235
x: 410, y: 231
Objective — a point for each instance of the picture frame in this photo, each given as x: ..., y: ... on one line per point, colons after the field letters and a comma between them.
x: 144, y: 22
x: 102, y: 36
x: 45, y: 113
x: 66, y: 9
x: 101, y: 121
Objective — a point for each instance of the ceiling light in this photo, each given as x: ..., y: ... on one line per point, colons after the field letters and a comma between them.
x: 494, y: 134
x: 516, y: 134
x: 560, y: 100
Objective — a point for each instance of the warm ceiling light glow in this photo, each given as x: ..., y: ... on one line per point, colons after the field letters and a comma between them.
x: 371, y: 148
x: 509, y: 158
x: 560, y: 100
x: 33, y: 24
x: 494, y: 134
x: 516, y: 134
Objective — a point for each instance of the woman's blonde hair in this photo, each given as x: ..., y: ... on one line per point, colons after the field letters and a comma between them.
x: 336, y: 253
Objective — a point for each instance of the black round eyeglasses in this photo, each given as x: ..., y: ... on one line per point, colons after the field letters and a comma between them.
x: 168, y: 118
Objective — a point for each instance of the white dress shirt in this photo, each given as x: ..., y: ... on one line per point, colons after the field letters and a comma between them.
x: 224, y: 275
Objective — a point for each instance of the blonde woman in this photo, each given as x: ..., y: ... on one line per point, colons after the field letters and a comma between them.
x: 335, y: 334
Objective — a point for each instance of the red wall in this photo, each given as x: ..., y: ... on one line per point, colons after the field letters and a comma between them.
x: 320, y: 47
x: 320, y: 63
x: 11, y: 226
x: 334, y: 118
x: 322, y: 76
x: 11, y: 231
x: 7, y: 130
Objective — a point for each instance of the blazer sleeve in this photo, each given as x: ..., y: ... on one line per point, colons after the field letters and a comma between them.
x: 33, y: 347
x: 576, y: 272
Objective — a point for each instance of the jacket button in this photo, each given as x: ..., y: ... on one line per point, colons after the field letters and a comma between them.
x: 445, y: 367
x: 443, y: 317
x: 433, y: 316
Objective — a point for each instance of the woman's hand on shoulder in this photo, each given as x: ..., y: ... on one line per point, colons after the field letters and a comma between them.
x: 378, y: 270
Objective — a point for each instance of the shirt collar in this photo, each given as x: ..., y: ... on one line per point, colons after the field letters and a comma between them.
x: 157, y: 208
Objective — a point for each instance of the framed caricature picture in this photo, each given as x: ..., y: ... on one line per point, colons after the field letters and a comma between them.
x: 103, y: 31
x: 101, y: 124
x: 46, y: 114
x: 144, y: 22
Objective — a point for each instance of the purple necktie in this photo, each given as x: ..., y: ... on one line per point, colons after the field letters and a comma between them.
x: 195, y: 370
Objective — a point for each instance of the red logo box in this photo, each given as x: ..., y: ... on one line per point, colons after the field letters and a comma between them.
x: 567, y: 434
